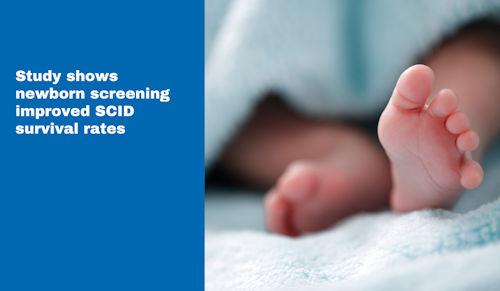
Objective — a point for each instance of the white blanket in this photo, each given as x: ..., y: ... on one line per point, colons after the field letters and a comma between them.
x: 423, y: 250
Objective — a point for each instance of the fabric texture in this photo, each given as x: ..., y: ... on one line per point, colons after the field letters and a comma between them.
x: 422, y: 250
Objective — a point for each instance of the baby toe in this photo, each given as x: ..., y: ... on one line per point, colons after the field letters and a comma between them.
x: 457, y: 123
x: 445, y: 103
x: 277, y: 213
x: 413, y: 87
x: 471, y: 174
x: 468, y: 141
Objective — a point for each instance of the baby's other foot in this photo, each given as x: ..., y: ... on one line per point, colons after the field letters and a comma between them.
x: 314, y: 194
x: 428, y: 146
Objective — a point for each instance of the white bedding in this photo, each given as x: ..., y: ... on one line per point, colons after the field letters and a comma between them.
x: 423, y: 250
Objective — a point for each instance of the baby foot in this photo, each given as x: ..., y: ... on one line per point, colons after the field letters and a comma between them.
x: 314, y: 194
x: 428, y: 146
